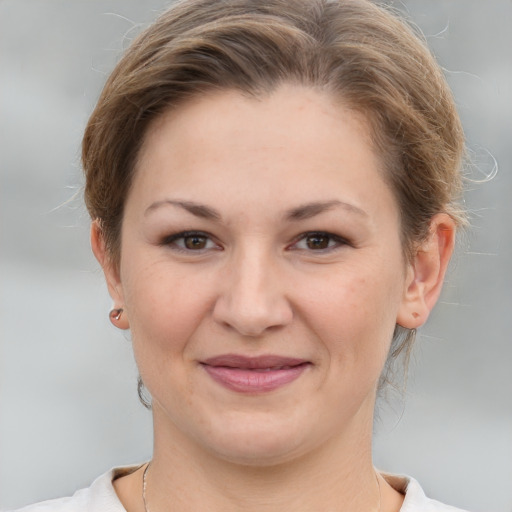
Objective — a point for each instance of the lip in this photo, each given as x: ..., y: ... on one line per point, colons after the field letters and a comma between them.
x: 259, y: 374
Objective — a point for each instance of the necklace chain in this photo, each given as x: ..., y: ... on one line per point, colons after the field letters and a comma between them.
x: 144, y: 485
x: 378, y: 487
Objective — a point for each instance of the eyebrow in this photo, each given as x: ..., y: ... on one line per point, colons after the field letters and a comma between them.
x: 197, y: 209
x: 309, y: 210
x: 302, y: 212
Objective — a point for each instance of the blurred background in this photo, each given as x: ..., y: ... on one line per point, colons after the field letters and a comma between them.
x: 69, y: 407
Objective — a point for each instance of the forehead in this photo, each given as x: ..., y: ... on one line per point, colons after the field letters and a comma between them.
x: 293, y: 110
x: 293, y: 138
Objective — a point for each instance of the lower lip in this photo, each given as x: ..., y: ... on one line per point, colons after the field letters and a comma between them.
x: 254, y: 381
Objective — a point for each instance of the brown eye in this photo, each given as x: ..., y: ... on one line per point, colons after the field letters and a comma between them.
x: 196, y: 242
x: 318, y: 241
x: 190, y: 241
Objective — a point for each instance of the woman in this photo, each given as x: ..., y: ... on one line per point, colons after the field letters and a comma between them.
x: 273, y: 187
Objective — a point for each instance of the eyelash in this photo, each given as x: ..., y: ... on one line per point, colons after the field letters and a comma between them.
x: 184, y: 235
x: 333, y: 241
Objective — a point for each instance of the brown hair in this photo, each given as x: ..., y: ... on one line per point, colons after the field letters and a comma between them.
x: 355, y: 49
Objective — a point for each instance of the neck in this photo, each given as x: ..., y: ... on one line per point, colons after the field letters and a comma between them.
x: 338, y: 475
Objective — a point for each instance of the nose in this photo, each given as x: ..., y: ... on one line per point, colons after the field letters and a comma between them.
x: 252, y: 298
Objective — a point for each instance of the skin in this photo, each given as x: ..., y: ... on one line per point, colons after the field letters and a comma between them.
x: 258, y: 179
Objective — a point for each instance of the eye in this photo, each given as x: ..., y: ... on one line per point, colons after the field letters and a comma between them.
x: 190, y: 241
x: 318, y: 241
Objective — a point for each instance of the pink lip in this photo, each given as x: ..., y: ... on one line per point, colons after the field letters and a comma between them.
x: 254, y: 374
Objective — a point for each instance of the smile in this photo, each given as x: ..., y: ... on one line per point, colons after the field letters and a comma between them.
x: 254, y: 374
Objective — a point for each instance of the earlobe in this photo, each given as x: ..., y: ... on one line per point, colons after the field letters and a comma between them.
x: 111, y: 273
x: 426, y: 272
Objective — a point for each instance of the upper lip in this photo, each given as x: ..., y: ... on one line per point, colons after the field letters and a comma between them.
x: 253, y: 363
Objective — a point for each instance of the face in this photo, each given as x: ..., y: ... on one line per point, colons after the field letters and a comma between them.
x: 261, y: 273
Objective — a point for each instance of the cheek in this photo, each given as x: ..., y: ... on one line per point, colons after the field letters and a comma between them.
x: 354, y: 311
x: 164, y: 311
x: 164, y: 307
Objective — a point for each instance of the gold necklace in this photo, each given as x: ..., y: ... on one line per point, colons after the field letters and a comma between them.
x: 144, y: 485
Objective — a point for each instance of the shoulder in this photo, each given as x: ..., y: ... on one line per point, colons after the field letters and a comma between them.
x: 99, y: 497
x: 415, y: 499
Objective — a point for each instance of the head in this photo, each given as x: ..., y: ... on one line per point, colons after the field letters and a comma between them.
x: 367, y: 62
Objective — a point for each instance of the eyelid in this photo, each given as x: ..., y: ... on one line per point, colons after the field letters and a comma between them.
x: 340, y: 241
x: 170, y: 240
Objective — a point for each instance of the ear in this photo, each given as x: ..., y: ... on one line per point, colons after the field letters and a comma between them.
x: 426, y: 271
x: 110, y: 270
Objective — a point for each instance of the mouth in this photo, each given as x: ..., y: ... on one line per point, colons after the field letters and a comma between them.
x: 254, y: 375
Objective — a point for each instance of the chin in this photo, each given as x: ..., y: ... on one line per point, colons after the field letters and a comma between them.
x: 262, y: 452
x: 258, y: 441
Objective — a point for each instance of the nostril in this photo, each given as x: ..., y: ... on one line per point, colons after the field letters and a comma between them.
x: 255, y: 320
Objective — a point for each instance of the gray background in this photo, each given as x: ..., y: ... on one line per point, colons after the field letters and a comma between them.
x: 69, y: 409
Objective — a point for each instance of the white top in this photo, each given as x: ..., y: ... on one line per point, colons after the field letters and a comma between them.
x: 101, y: 496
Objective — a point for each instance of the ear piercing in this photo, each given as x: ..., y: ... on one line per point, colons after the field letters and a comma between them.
x: 115, y: 315
x: 118, y: 320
